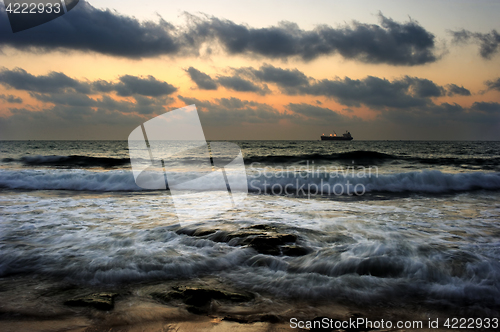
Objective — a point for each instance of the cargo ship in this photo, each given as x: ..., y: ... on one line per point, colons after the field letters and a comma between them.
x: 345, y: 137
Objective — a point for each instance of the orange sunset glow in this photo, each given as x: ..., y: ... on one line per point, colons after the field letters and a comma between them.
x: 369, y: 89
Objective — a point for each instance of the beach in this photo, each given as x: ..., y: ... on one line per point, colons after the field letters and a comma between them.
x: 83, y: 248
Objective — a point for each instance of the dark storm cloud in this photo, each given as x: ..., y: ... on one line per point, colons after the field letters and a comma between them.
x: 237, y: 83
x: 390, y: 42
x: 493, y: 85
x: 132, y: 85
x: 371, y: 91
x: 69, y: 100
x: 73, y: 104
x: 454, y: 89
x: 65, y: 99
x: 487, y: 107
x: 284, y: 78
x: 234, y: 82
x: 376, y: 92
x: 11, y: 99
x: 89, y: 29
x: 86, y: 28
x: 55, y: 82
x: 202, y: 80
x: 234, y: 111
x: 489, y: 43
x: 19, y: 79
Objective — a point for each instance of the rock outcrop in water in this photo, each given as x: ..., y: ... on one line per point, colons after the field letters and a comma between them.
x: 264, y: 239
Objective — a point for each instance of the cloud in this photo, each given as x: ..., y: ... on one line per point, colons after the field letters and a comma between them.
x: 371, y: 91
x: 489, y: 43
x: 70, y: 105
x: 88, y: 29
x: 454, y: 89
x: 202, y: 80
x: 493, y: 85
x: 237, y: 83
x: 289, y: 81
x: 234, y: 111
x: 11, y: 99
x: 55, y: 82
x: 234, y: 82
x: 487, y: 107
x: 133, y: 85
x: 375, y: 92
x: 19, y: 79
x: 390, y: 42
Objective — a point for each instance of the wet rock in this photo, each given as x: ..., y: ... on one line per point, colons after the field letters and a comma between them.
x: 269, y: 244
x: 264, y: 239
x: 266, y: 228
x: 270, y: 318
x: 198, y: 299
x: 270, y: 240
x: 241, y: 235
x: 99, y: 301
x: 196, y: 232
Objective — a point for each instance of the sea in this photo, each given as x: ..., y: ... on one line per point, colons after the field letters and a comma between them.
x: 380, y: 221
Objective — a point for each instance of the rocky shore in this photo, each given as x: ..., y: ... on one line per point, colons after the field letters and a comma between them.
x: 206, y: 303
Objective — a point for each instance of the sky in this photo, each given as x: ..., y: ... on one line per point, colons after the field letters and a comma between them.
x: 257, y: 70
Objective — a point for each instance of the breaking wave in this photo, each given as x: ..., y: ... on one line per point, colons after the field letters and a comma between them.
x: 120, y: 180
x: 70, y: 161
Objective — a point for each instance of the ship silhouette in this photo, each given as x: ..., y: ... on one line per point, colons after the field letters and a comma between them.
x: 345, y: 137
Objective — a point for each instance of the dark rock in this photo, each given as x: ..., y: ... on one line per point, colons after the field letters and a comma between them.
x: 270, y: 240
x: 294, y: 250
x: 269, y: 244
x: 270, y: 318
x: 198, y: 299
x: 266, y: 228
x: 263, y: 238
x: 195, y: 232
x: 203, y: 310
x: 100, y: 301
x: 266, y: 249
x: 244, y: 235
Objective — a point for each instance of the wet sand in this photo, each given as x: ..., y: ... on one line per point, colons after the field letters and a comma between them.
x: 41, y: 304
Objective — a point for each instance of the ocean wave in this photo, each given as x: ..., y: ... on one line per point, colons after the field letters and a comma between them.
x: 373, y: 157
x: 351, y: 155
x: 70, y: 161
x: 269, y: 183
x: 358, y: 157
x: 333, y: 183
x: 80, y: 180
